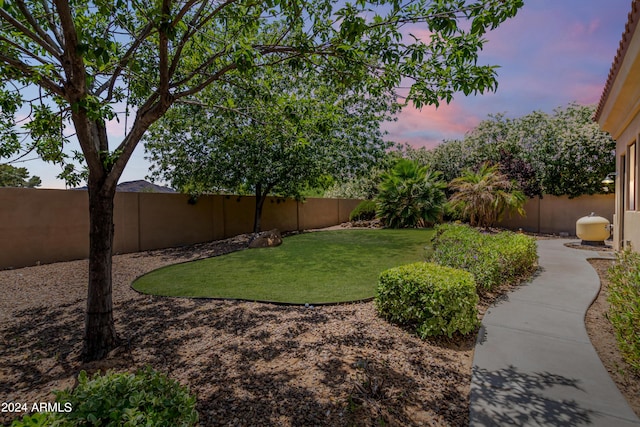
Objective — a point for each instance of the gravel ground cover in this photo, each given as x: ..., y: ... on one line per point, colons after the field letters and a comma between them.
x: 249, y: 364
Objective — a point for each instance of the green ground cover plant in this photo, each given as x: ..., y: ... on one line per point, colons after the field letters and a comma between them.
x: 366, y: 210
x: 429, y: 298
x: 492, y: 258
x: 624, y: 308
x: 321, y: 267
x: 146, y: 398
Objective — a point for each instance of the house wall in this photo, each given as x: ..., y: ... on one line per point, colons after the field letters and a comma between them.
x: 619, y: 114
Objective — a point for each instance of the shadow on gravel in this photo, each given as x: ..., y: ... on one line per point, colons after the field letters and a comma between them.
x: 248, y: 364
x: 40, y: 346
x: 508, y: 397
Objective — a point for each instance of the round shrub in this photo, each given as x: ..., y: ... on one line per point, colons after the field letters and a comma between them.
x: 365, y: 211
x: 146, y: 398
x: 431, y: 299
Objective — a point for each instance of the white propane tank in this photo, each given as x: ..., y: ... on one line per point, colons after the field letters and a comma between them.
x: 593, y: 229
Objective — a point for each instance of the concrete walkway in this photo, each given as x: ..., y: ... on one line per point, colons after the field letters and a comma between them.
x: 534, y: 364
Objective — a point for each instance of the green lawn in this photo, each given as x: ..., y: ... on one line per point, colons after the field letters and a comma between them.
x: 314, y: 268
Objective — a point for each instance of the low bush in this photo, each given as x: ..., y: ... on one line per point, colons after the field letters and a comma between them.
x: 493, y: 259
x: 624, y: 308
x: 365, y: 211
x: 147, y: 398
x: 431, y: 299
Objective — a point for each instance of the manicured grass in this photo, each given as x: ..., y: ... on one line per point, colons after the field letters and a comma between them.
x: 314, y: 268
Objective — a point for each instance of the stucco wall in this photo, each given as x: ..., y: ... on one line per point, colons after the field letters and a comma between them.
x: 42, y: 226
x: 555, y: 215
x: 53, y: 225
x: 631, y: 230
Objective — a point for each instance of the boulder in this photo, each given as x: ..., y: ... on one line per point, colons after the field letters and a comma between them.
x: 266, y: 239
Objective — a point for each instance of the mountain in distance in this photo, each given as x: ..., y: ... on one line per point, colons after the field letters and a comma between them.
x: 142, y: 186
x: 139, y: 186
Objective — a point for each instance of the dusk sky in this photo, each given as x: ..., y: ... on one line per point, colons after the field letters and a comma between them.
x: 552, y: 53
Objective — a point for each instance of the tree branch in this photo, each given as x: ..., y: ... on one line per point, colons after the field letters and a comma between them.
x: 164, y: 50
x: 28, y: 71
x: 111, y: 82
x: 30, y: 34
x: 76, y: 89
x: 52, y: 24
x: 38, y: 28
x: 216, y: 76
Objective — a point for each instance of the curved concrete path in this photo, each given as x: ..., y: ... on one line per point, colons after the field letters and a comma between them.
x: 534, y: 364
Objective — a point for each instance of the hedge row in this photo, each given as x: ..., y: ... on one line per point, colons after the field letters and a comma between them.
x: 440, y: 297
x: 493, y: 259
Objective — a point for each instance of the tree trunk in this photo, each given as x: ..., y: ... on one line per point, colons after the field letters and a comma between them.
x: 258, y: 212
x: 261, y: 196
x: 100, y: 333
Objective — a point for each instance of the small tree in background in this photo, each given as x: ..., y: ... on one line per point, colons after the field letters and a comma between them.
x: 484, y: 196
x: 410, y: 196
x: 287, y: 135
x: 11, y: 176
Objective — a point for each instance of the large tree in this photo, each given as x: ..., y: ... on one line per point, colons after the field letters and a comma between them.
x: 285, y: 135
x: 77, y: 63
x: 564, y: 153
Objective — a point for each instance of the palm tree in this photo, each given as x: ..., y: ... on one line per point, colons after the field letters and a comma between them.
x: 484, y: 196
x: 410, y: 196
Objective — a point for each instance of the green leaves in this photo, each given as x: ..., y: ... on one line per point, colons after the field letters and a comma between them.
x: 11, y: 176
x: 543, y: 153
x: 624, y: 304
x: 493, y: 259
x: 410, y: 196
x: 430, y: 299
x: 268, y: 129
x: 94, y: 108
x: 146, y: 398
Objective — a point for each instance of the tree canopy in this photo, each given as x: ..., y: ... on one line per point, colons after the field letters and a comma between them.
x: 11, y: 176
x: 283, y: 136
x: 564, y: 153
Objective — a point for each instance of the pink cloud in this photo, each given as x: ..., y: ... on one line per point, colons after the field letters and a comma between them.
x: 584, y: 29
x: 430, y: 126
x: 116, y: 126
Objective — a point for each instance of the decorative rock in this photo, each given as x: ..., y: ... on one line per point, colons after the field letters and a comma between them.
x: 266, y: 239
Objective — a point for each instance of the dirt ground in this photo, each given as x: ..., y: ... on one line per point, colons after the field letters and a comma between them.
x: 248, y: 363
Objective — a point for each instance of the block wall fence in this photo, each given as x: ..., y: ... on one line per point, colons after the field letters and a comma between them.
x: 555, y: 215
x: 45, y: 226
